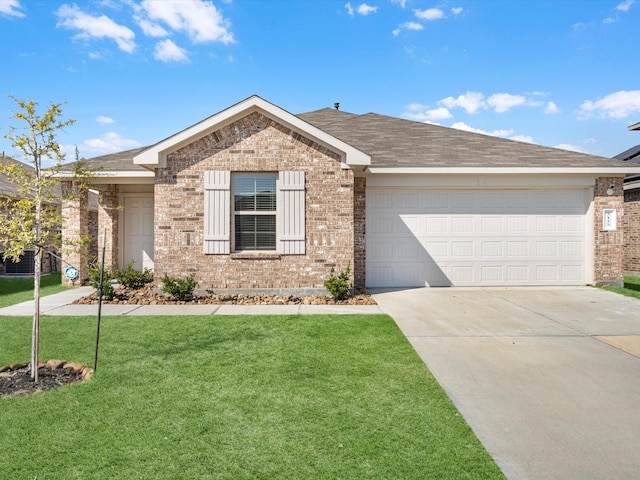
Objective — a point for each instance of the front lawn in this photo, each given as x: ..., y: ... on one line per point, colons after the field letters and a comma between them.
x: 631, y: 287
x: 238, y: 397
x: 17, y: 290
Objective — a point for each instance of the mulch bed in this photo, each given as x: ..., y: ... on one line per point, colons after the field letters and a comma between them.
x: 149, y: 296
x: 15, y: 380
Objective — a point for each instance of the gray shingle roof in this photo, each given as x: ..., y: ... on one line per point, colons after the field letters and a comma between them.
x: 6, y: 187
x: 631, y: 155
x: 395, y: 142
x: 115, y: 162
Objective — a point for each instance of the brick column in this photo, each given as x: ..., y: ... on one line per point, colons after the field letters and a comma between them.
x: 359, y: 230
x: 108, y: 219
x: 75, y: 232
x: 608, y: 244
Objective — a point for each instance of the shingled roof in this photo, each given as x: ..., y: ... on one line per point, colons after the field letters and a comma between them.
x: 395, y: 143
x: 6, y: 187
x: 114, y: 162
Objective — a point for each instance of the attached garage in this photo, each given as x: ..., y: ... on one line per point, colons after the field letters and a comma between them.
x: 475, y: 237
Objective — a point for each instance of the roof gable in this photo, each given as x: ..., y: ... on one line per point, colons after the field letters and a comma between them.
x: 156, y: 156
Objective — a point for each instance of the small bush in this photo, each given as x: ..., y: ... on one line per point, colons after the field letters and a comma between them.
x: 338, y: 285
x: 94, y: 280
x: 179, y: 288
x: 132, y: 278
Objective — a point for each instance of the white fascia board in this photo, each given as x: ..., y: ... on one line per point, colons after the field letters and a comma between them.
x: 156, y: 156
x: 115, y: 177
x: 612, y: 171
x: 635, y: 126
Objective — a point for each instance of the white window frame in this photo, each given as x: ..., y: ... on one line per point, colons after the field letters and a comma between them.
x: 219, y: 226
x: 274, y: 213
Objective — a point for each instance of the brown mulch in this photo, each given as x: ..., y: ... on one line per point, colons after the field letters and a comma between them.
x: 15, y: 380
x: 148, y: 296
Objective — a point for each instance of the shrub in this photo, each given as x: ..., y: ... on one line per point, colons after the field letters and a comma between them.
x: 132, y: 278
x: 94, y: 280
x: 179, y: 288
x: 338, y: 285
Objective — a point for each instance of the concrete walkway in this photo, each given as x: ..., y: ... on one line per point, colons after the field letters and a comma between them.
x: 548, y: 379
x: 60, y: 304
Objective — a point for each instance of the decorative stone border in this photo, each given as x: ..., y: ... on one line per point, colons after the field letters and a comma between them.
x: 54, y: 364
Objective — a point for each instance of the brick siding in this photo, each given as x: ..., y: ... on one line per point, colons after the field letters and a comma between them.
x: 254, y: 143
x: 359, y: 231
x: 632, y: 231
x: 608, y: 245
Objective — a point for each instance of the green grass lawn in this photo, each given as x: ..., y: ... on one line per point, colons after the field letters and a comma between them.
x: 237, y: 397
x: 631, y: 287
x: 17, y: 290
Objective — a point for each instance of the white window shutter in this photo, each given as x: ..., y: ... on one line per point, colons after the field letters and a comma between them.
x: 217, y: 212
x: 291, y: 231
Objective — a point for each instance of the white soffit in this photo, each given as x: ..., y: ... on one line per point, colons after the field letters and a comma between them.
x: 156, y: 156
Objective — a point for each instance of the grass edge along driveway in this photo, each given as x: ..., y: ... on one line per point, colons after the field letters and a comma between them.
x: 235, y: 397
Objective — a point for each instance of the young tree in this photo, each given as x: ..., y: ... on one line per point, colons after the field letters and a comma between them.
x: 32, y: 219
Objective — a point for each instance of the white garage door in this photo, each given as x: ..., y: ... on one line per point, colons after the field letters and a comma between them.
x: 476, y: 237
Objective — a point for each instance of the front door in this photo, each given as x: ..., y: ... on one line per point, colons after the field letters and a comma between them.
x: 138, y: 231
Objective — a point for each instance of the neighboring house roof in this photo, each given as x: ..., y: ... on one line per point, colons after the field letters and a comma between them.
x: 398, y: 143
x: 6, y: 187
x: 631, y: 155
x: 635, y: 126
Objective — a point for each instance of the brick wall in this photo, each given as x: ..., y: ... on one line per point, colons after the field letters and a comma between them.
x: 608, y: 245
x: 632, y: 231
x: 253, y: 144
x: 75, y: 231
x: 108, y: 219
x: 359, y: 232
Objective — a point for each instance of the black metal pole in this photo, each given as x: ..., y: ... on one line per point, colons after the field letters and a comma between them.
x: 104, y: 248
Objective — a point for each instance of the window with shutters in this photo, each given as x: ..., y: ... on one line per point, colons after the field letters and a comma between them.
x: 245, y: 212
x: 254, y: 211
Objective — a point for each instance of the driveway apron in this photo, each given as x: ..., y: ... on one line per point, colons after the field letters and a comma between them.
x: 548, y: 378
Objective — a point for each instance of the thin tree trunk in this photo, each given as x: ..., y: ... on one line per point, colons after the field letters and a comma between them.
x: 35, y: 331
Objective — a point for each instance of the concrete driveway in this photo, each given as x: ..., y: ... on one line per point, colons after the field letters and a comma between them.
x: 548, y: 379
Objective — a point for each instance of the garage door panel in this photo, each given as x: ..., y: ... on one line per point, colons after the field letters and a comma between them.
x: 478, y: 237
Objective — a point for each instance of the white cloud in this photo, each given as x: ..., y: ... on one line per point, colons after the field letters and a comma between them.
x: 362, y: 9
x: 422, y: 113
x: 11, y: 8
x: 494, y: 133
x: 429, y: 14
x: 551, y: 108
x: 108, y: 143
x: 151, y: 29
x: 572, y: 148
x: 199, y: 19
x: 470, y: 101
x: 615, y: 105
x: 502, y: 102
x: 456, y: 10
x: 167, y: 51
x: 104, y: 120
x: 402, y: 3
x: 407, y: 26
x: 522, y: 138
x: 625, y: 6
x: 73, y: 18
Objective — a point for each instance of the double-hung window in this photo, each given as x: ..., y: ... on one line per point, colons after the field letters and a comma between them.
x: 254, y: 211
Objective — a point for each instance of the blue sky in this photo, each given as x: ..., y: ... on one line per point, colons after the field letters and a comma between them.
x: 560, y: 73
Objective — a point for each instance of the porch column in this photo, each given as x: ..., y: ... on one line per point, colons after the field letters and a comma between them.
x: 608, y: 203
x: 75, y: 232
x: 108, y: 215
